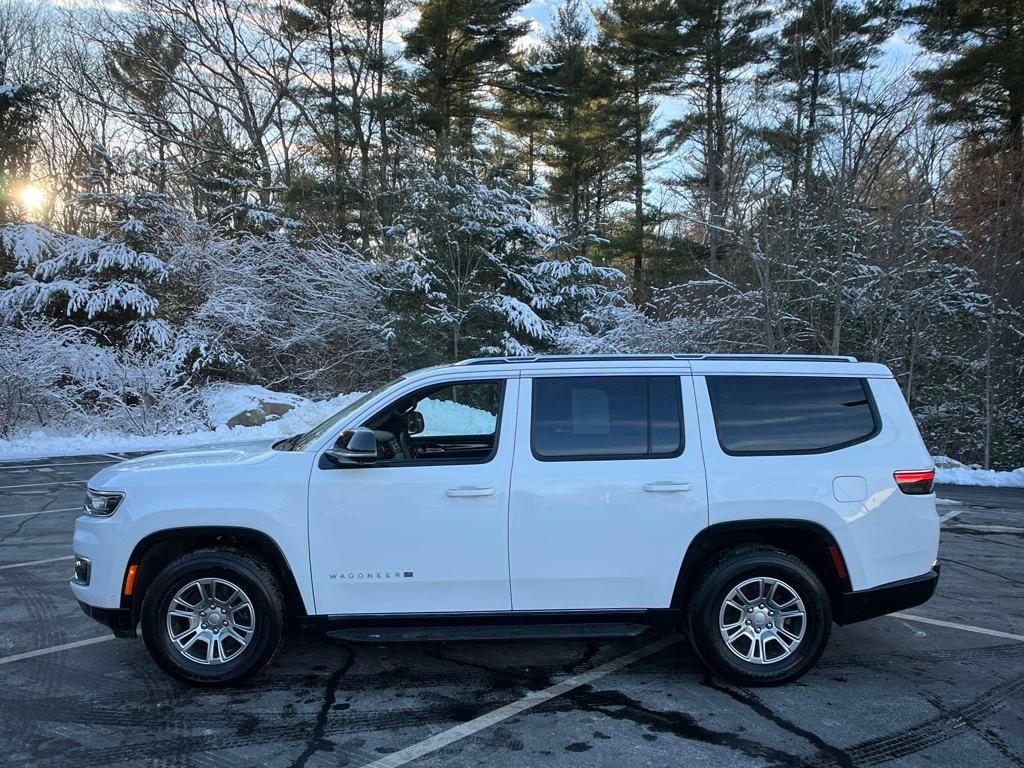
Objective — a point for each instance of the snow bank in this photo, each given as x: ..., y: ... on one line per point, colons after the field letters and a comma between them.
x: 225, y: 402
x: 443, y: 417
x: 222, y: 403
x: 951, y: 471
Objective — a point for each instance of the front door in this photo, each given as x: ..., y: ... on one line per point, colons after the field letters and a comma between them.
x: 425, y: 530
x: 608, y: 490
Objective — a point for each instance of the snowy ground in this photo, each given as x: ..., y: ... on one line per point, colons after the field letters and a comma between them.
x: 951, y: 471
x: 227, y: 401
x: 222, y: 404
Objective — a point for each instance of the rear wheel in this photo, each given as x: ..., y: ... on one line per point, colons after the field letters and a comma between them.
x: 759, y: 616
x: 213, y: 617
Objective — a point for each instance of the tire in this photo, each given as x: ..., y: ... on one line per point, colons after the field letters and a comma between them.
x: 208, y: 577
x: 769, y: 654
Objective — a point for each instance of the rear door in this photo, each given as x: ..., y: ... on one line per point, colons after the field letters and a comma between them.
x: 608, y: 489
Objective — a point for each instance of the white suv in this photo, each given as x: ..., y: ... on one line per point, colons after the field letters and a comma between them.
x: 748, y: 500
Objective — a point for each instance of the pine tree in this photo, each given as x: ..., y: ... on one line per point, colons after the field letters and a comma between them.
x: 523, y: 110
x: 821, y: 39
x: 978, y: 85
x: 107, y: 282
x: 461, y: 48
x: 141, y: 71
x: 640, y: 41
x: 721, y: 41
x: 341, y: 100
x: 318, y: 21
x: 585, y: 150
x: 979, y: 81
x: 473, y: 274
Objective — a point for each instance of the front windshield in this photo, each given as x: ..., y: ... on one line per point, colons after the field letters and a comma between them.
x: 320, y: 429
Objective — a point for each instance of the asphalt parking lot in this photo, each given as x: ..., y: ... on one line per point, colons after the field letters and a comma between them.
x: 893, y: 690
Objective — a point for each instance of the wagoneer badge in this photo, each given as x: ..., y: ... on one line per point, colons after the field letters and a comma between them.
x: 371, y: 575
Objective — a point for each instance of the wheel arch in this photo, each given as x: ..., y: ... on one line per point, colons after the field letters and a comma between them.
x: 155, y: 551
x: 809, y: 541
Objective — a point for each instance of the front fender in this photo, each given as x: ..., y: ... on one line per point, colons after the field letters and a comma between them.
x: 269, y: 498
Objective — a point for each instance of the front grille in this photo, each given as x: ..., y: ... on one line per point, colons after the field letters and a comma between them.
x: 83, y: 570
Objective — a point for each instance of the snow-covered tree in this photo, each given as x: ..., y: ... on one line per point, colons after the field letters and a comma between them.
x: 475, y: 272
x: 101, y: 282
x: 35, y: 361
x: 306, y: 316
x: 110, y: 281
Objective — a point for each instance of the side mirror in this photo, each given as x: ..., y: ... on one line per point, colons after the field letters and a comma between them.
x: 414, y: 422
x: 354, y: 446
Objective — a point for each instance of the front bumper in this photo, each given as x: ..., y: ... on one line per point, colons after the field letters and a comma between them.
x: 894, y: 596
x: 120, y: 620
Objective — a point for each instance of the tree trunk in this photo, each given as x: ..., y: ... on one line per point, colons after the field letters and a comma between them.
x: 335, y: 148
x: 712, y: 171
x: 531, y: 151
x: 638, y: 188
x: 812, y: 125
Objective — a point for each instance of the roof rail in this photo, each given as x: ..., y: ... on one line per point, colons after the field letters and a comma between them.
x: 644, y: 358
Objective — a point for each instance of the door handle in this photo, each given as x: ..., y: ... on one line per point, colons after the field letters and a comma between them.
x: 667, y: 486
x: 468, y: 491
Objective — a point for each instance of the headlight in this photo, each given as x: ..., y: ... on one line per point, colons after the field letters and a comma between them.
x: 101, y: 503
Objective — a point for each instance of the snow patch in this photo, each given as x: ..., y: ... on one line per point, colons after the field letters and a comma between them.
x: 304, y: 416
x: 951, y: 471
x: 443, y: 417
x: 226, y: 401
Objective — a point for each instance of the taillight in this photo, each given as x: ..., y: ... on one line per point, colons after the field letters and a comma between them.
x: 915, y: 481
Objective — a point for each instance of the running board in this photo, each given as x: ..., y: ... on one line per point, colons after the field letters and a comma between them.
x: 487, y: 632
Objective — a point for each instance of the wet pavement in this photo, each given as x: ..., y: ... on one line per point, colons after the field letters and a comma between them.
x: 887, y: 691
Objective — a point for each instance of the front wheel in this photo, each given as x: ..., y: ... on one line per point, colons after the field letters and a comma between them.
x: 213, y: 617
x: 760, y: 616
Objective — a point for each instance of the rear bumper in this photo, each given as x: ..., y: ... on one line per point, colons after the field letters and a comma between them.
x: 894, y: 596
x: 120, y: 620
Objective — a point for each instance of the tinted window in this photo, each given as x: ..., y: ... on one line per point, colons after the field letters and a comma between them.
x: 789, y: 414
x: 606, y: 416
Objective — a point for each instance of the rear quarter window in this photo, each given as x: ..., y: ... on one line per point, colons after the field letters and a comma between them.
x: 775, y: 415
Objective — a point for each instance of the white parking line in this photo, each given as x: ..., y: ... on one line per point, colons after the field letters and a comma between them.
x: 953, y: 625
x: 532, y: 699
x: 4, y: 468
x: 36, y: 562
x: 36, y: 485
x: 54, y: 649
x: 41, y: 512
x: 986, y: 528
x: 951, y: 515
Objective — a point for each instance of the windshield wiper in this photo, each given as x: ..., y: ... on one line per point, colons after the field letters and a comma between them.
x: 288, y: 443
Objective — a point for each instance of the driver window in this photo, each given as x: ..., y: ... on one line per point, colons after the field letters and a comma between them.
x: 446, y: 422
x: 461, y: 409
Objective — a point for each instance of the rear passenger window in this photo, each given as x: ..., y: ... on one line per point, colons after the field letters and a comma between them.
x: 607, y: 417
x: 790, y: 414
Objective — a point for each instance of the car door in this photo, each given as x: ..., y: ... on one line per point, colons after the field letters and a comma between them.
x: 427, y: 534
x: 608, y: 489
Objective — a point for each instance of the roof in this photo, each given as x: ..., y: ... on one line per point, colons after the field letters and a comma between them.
x: 653, y: 364
x: 652, y: 358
